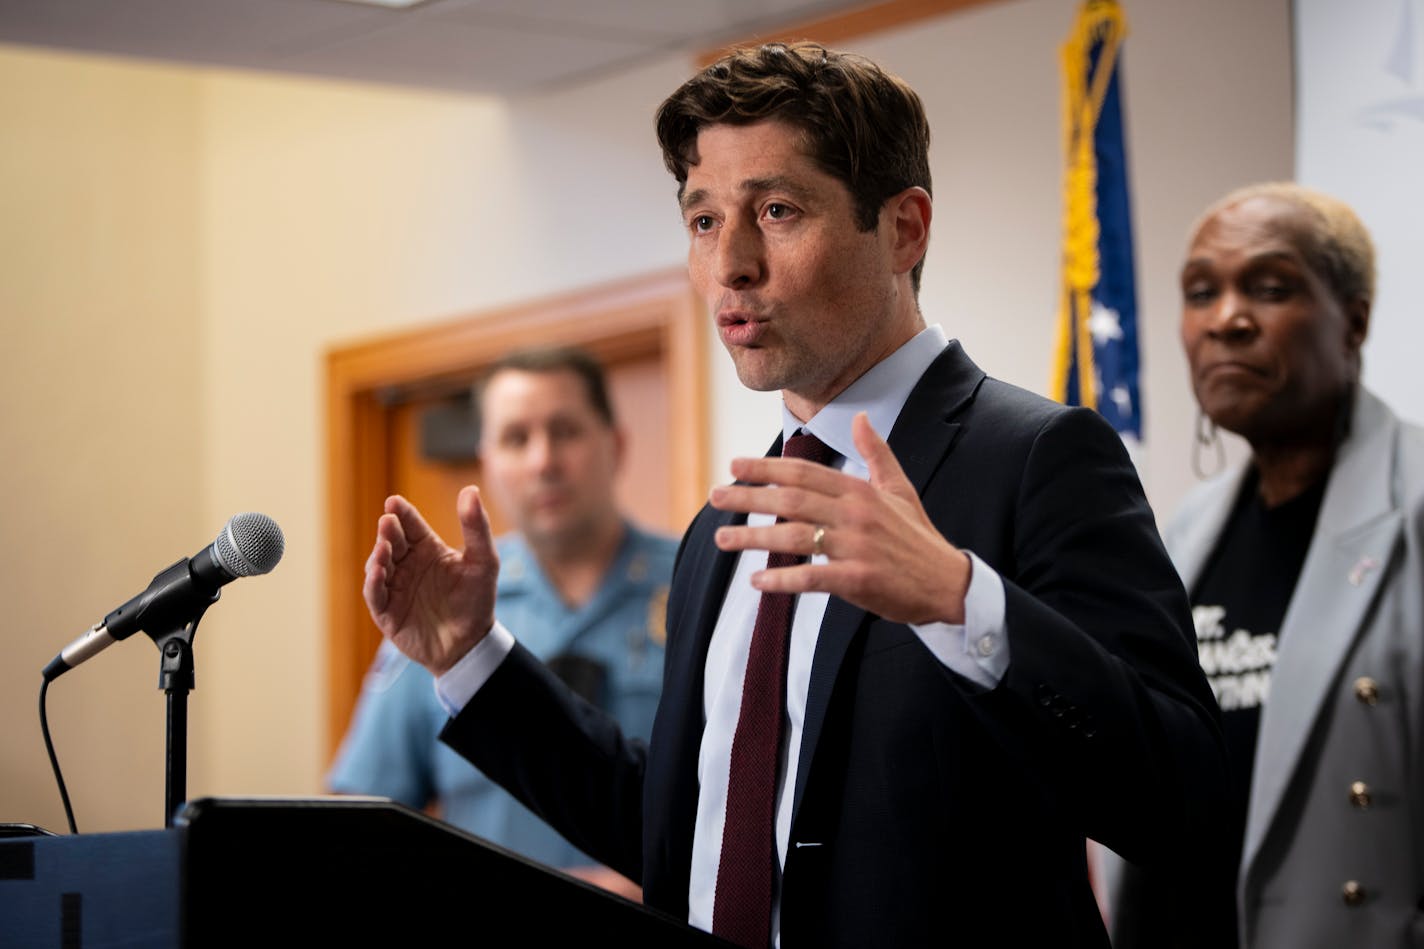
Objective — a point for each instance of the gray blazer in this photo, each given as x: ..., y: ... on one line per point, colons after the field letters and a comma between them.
x: 1334, y: 848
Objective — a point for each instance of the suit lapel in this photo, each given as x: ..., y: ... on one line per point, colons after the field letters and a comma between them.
x: 1357, y: 531
x: 673, y: 770
x: 921, y: 439
x: 711, y: 573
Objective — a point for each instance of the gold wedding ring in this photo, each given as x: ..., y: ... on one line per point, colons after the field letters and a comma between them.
x: 816, y: 549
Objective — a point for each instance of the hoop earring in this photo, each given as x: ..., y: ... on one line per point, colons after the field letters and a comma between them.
x: 1207, y: 436
x: 1345, y: 411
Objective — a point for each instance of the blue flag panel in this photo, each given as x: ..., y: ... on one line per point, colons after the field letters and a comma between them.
x: 1096, y: 352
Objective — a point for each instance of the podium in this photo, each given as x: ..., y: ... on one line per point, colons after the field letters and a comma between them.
x: 305, y: 872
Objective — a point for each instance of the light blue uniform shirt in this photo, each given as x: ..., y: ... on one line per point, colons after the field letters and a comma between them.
x: 392, y: 748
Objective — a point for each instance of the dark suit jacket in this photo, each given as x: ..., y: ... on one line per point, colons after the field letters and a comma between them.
x: 944, y: 813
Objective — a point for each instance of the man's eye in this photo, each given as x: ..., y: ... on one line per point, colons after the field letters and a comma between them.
x: 702, y: 223
x: 778, y: 211
x: 1197, y: 294
x: 1272, y: 291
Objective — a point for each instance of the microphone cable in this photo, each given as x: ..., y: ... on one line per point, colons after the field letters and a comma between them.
x: 53, y: 760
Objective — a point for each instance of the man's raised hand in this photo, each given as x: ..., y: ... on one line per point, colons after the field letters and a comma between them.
x: 882, y: 553
x: 435, y: 603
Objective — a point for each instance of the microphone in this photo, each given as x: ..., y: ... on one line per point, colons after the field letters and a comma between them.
x: 249, y: 544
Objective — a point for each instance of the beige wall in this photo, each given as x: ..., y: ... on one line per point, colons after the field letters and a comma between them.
x: 327, y: 211
x: 102, y: 413
x: 181, y: 246
x: 331, y: 212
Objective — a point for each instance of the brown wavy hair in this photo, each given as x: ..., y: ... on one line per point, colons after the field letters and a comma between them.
x: 859, y: 124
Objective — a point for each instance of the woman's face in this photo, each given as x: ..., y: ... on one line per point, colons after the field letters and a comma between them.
x: 1271, y: 349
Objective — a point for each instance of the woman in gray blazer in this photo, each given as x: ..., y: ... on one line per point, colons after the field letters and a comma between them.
x: 1306, y: 573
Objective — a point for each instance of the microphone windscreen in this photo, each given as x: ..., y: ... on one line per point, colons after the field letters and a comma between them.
x: 249, y: 544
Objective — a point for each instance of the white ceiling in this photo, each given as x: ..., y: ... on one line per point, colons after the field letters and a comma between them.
x: 501, y: 47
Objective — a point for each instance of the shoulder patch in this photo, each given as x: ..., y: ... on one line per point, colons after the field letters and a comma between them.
x: 657, y: 615
x: 638, y: 568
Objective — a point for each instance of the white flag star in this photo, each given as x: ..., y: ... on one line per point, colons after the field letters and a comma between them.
x: 1104, y: 323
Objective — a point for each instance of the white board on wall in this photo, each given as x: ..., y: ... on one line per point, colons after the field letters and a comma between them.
x: 1360, y: 137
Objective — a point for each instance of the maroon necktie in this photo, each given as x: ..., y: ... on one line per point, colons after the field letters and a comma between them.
x: 741, y: 909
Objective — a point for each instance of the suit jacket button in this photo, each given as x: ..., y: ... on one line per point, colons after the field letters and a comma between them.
x: 1360, y: 795
x: 1367, y: 690
x: 1352, y: 893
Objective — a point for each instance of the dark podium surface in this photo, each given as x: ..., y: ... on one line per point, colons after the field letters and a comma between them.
x: 305, y: 872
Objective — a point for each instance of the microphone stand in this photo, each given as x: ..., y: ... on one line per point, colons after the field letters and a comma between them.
x: 175, y: 678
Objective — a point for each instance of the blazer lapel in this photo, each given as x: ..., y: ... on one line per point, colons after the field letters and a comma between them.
x: 1195, y: 530
x: 1357, y: 531
x: 921, y: 439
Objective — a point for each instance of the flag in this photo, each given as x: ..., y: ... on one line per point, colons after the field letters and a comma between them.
x: 1096, y: 350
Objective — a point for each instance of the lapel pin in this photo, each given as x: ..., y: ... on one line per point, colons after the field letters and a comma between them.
x: 1358, y: 571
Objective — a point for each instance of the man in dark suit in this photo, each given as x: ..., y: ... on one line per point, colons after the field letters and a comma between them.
x: 989, y: 656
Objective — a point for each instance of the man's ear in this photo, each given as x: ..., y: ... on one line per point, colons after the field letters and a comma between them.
x: 1357, y: 322
x: 620, y: 447
x: 908, y: 215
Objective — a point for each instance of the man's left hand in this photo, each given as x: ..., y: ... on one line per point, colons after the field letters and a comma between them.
x: 881, y: 551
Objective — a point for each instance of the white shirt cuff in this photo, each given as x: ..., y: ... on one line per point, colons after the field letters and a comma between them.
x: 461, y: 681
x: 978, y: 650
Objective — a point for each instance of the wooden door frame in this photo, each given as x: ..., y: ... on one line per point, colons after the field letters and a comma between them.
x: 835, y: 28
x: 653, y: 315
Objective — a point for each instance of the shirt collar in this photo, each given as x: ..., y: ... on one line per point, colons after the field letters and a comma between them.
x: 520, y: 570
x: 880, y: 393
